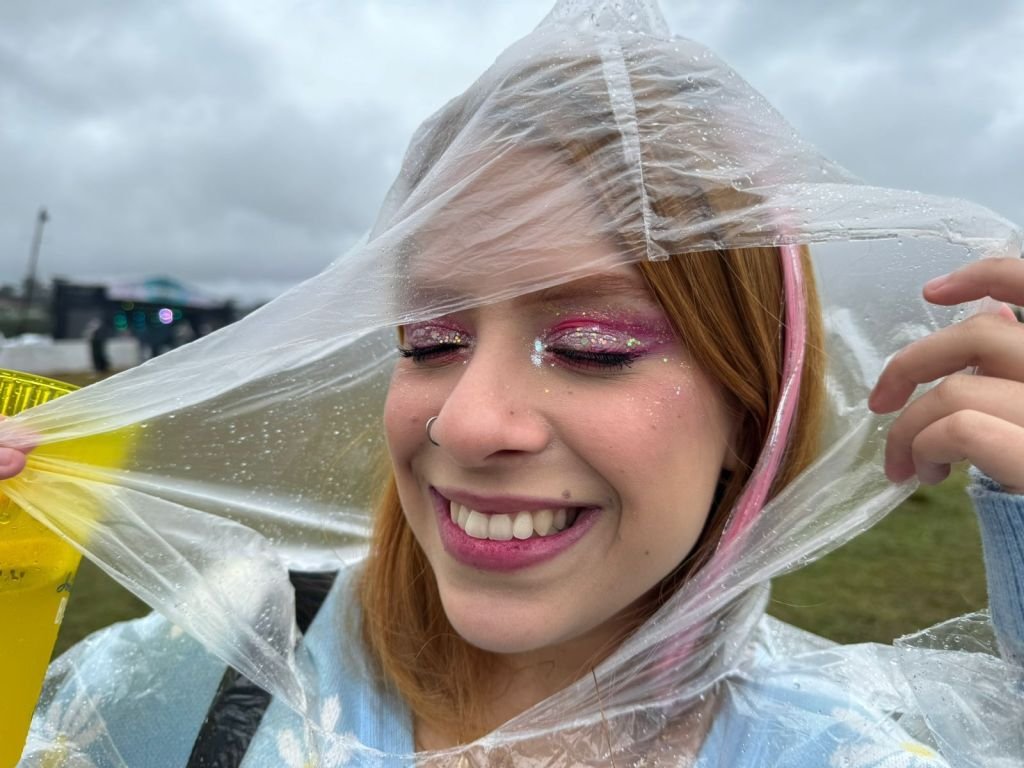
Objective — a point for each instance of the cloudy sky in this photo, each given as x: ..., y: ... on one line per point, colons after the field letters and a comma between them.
x: 241, y: 144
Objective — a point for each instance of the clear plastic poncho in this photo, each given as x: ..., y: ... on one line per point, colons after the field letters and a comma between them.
x: 253, y: 451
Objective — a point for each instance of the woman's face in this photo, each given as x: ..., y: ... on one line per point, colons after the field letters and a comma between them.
x: 578, y: 452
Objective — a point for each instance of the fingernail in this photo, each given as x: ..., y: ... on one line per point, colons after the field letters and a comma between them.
x: 933, y: 474
x: 937, y: 282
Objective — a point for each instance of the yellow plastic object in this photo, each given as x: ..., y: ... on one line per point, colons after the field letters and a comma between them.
x: 37, y: 571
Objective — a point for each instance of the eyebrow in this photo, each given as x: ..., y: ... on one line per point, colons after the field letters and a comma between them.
x: 601, y: 285
x: 618, y: 285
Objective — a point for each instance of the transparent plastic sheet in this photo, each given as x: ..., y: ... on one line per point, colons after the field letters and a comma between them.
x: 255, y: 450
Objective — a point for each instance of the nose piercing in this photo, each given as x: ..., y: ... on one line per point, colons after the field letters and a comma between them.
x: 430, y: 423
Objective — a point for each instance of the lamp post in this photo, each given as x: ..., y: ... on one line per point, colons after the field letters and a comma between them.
x: 33, y: 261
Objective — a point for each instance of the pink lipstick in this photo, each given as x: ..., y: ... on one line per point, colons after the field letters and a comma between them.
x: 512, y: 554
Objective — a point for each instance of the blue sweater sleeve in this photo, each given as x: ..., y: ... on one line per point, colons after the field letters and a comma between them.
x: 1001, y: 518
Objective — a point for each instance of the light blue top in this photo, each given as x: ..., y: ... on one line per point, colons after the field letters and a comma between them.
x: 152, y: 685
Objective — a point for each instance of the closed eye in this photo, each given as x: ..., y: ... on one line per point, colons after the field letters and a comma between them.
x: 600, y: 360
x: 432, y: 352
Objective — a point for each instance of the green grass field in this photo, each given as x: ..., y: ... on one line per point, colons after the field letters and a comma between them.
x: 920, y: 565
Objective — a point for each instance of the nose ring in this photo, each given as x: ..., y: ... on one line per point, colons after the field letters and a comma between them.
x: 430, y: 423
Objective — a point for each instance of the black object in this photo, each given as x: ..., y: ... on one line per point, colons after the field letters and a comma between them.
x: 98, y: 347
x: 239, y: 704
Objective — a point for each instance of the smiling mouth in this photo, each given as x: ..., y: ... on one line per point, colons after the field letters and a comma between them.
x: 523, y: 525
x: 514, y: 533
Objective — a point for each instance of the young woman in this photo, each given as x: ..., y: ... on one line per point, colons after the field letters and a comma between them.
x: 637, y: 439
x: 583, y: 437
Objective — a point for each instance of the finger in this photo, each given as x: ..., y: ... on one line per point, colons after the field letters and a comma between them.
x: 12, y: 461
x: 961, y: 392
x: 989, y: 341
x: 1002, y: 279
x: 19, y: 440
x: 994, y: 446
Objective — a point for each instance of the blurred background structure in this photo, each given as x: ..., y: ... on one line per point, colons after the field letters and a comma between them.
x: 72, y: 328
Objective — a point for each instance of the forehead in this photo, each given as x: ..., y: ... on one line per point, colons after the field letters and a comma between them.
x: 620, y: 285
x: 524, y: 223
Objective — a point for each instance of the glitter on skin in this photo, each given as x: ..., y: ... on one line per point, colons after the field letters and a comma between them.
x: 537, y: 355
x: 434, y: 335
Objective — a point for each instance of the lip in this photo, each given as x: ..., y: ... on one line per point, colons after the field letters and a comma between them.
x: 514, y: 554
x: 502, y: 505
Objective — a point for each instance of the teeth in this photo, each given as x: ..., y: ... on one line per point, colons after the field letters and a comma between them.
x: 500, y: 528
x: 559, y: 521
x: 522, y: 528
x: 476, y: 525
x: 520, y: 525
x: 542, y: 522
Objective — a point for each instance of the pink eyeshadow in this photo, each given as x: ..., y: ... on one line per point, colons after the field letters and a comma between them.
x: 432, y: 334
x: 601, y: 332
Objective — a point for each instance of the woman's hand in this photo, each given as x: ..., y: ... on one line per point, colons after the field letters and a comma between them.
x: 978, y: 418
x: 12, y: 461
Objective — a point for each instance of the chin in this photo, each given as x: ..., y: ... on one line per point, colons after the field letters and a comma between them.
x: 496, y: 626
x: 505, y: 624
x: 502, y: 643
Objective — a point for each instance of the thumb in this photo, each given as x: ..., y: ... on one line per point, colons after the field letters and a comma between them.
x: 12, y: 461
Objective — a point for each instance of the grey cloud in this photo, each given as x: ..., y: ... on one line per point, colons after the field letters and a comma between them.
x: 160, y: 147
x: 226, y: 142
x: 917, y: 95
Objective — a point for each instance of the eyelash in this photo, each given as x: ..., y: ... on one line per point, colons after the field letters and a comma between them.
x: 599, y: 360
x: 575, y: 357
x: 424, y: 354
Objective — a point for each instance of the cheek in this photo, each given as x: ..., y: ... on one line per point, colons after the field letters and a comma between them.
x: 664, y: 460
x: 678, y: 424
x: 406, y: 409
x: 408, y: 406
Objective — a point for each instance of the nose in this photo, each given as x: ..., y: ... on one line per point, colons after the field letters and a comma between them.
x: 491, y: 413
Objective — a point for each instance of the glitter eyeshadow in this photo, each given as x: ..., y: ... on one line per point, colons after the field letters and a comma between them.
x: 609, y: 336
x: 596, y: 339
x: 434, y: 335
